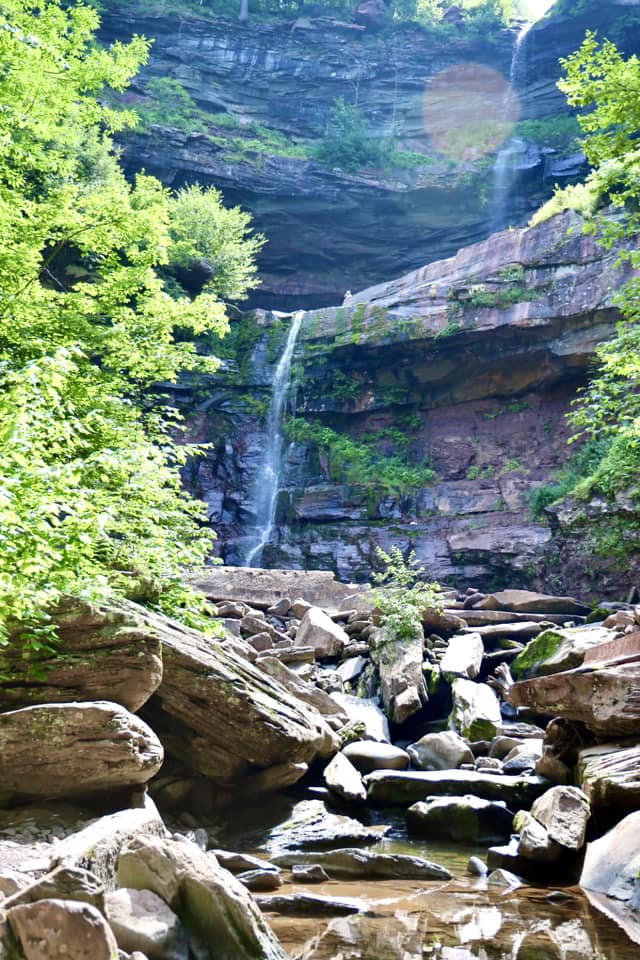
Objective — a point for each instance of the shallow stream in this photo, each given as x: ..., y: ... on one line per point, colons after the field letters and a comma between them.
x: 462, y: 919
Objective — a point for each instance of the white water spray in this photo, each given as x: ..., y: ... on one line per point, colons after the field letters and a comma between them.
x: 267, y: 481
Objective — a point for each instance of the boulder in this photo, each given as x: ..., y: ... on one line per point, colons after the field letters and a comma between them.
x: 476, y: 710
x: 311, y: 827
x: 535, y: 842
x: 319, y: 631
x: 342, y: 778
x: 611, y: 874
x: 367, y: 755
x: 97, y: 846
x: 565, y: 812
x: 442, y: 621
x: 57, y: 929
x: 367, y: 864
x: 261, y: 588
x: 398, y: 788
x: 462, y: 819
x: 523, y: 757
x: 141, y: 920
x: 222, y: 716
x: 260, y: 880
x: 241, y: 862
x: 558, y: 649
x: 440, y: 751
x: 463, y: 656
x: 609, y: 775
x: 74, y: 750
x: 103, y: 652
x: 399, y: 662
x: 605, y: 698
x: 209, y: 900
x: 308, y: 873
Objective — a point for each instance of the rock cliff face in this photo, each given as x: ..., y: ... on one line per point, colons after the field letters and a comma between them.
x: 330, y: 230
x: 468, y: 364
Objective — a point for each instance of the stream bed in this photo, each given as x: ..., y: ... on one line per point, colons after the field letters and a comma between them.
x: 462, y: 919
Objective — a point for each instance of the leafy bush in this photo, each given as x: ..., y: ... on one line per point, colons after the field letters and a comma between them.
x: 402, y: 594
x: 347, y: 143
x: 169, y: 104
x: 585, y: 462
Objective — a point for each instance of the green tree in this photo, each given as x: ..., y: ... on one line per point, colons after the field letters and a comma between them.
x: 90, y: 495
x: 347, y: 143
x: 602, y: 83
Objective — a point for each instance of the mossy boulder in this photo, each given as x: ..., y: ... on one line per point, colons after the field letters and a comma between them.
x: 559, y: 649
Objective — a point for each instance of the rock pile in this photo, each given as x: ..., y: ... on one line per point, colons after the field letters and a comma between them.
x: 434, y: 724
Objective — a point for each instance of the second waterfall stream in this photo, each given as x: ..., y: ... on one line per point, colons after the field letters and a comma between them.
x: 267, y: 481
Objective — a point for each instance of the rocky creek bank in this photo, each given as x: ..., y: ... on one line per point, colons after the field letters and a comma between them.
x: 513, y: 725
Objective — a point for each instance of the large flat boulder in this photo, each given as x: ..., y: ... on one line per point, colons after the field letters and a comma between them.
x: 52, y: 929
x: 74, y: 750
x: 367, y: 864
x: 605, y: 698
x: 402, y: 788
x: 367, y: 755
x: 211, y: 903
x: 262, y: 588
x: 526, y: 601
x: 222, y: 716
x: 312, y: 827
x: 103, y: 652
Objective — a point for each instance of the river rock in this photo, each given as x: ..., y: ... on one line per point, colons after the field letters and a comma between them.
x: 342, y: 778
x: 319, y: 631
x: 74, y: 749
x: 311, y: 827
x: 52, y: 929
x: 366, y: 712
x: 523, y: 757
x: 440, y: 751
x: 462, y: 819
x: 476, y: 710
x: 310, y: 905
x: 504, y: 878
x: 442, y: 621
x: 606, y: 699
x: 350, y: 669
x: 141, y: 920
x: 558, y: 649
x: 209, y: 900
x: 241, y: 862
x: 260, y: 880
x: 609, y: 775
x: 222, y: 717
x: 308, y: 873
x: 398, y: 788
x: 367, y: 864
x: 399, y: 662
x: 302, y: 689
x: 102, y: 653
x: 367, y: 755
x: 535, y: 842
x: 611, y: 874
x: 463, y: 656
x: 565, y: 812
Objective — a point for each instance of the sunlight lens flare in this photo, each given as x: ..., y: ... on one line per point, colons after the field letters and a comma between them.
x: 469, y: 111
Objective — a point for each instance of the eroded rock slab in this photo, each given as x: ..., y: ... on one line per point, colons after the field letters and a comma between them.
x: 611, y: 874
x: 610, y: 775
x: 404, y: 788
x: 370, y: 865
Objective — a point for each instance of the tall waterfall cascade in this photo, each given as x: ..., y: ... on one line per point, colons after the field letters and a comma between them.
x: 268, y: 479
x: 506, y: 165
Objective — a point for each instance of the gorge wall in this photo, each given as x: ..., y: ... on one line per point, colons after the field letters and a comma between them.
x: 265, y: 92
x: 467, y: 365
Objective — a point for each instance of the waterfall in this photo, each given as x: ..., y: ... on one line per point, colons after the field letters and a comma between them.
x: 267, y: 481
x: 506, y: 164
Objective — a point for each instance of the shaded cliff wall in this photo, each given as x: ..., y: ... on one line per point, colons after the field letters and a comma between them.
x: 469, y: 364
x: 328, y: 230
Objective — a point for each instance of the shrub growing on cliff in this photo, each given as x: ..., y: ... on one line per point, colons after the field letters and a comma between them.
x: 402, y: 594
x: 90, y: 497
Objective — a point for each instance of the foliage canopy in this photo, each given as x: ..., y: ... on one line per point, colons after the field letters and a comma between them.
x: 90, y: 495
